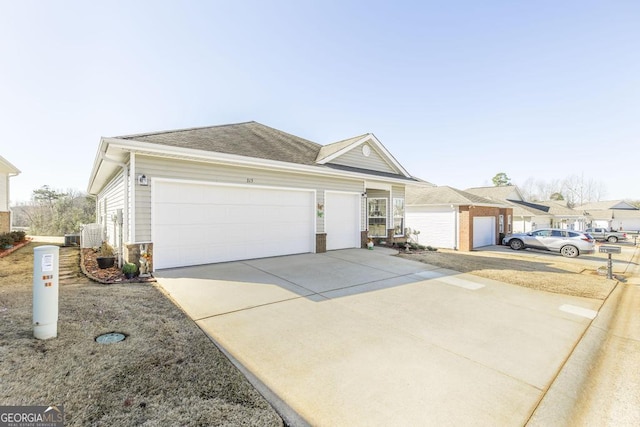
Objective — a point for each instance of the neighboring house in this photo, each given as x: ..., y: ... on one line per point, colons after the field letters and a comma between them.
x: 529, y: 216
x: 526, y: 216
x: 612, y: 214
x: 564, y: 217
x: 450, y: 218
x: 243, y: 191
x: 533, y: 215
x: 7, y: 170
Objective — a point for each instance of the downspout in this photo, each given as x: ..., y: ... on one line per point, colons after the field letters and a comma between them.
x: 8, y: 187
x: 456, y: 218
x: 125, y: 211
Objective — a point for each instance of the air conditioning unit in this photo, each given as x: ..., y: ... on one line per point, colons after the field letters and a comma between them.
x: 72, y: 239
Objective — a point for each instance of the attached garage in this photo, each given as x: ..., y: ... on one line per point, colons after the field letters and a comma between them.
x: 342, y: 220
x: 437, y: 225
x: 240, y: 191
x: 199, y: 223
x: 484, y: 231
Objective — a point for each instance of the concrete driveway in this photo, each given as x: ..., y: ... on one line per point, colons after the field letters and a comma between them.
x: 358, y: 337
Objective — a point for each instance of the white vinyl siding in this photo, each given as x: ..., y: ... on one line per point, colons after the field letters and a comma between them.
x: 157, y: 167
x: 110, y: 200
x: 4, y: 192
x: 355, y: 158
x: 437, y: 225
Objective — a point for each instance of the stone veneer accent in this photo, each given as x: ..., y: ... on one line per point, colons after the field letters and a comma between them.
x: 132, y: 254
x: 321, y: 243
x: 364, y: 238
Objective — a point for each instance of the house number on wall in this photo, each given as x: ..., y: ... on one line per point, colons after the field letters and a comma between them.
x: 249, y: 180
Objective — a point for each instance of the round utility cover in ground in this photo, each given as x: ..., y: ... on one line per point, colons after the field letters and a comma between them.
x: 110, y: 338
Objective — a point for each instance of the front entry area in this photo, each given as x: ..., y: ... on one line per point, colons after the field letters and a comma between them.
x: 200, y: 223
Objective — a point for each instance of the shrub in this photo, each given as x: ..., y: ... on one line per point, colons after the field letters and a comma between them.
x: 18, y: 236
x: 129, y: 268
x: 5, y: 240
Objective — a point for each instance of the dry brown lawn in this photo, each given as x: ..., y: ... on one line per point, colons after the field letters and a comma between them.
x: 551, y: 275
x: 167, y: 372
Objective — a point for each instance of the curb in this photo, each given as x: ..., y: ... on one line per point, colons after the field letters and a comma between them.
x: 563, y: 397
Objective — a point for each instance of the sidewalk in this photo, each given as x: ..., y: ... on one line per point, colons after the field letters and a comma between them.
x: 599, y: 385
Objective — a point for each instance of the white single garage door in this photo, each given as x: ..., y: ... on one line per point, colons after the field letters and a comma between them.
x: 484, y: 231
x: 200, y: 223
x: 342, y: 220
x: 437, y: 225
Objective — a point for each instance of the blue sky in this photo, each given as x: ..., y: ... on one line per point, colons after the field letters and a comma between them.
x: 458, y: 90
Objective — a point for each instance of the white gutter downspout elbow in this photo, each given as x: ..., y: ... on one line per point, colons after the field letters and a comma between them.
x: 125, y: 211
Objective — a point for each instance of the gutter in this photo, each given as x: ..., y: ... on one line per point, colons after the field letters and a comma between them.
x: 148, y: 149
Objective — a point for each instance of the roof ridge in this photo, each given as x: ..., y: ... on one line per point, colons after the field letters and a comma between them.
x: 163, y: 132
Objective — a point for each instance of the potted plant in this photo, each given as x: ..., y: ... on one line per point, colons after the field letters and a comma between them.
x: 129, y: 269
x: 106, y: 256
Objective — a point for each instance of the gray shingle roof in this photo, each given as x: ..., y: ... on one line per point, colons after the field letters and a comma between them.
x: 249, y: 139
x: 494, y: 193
x: 421, y: 195
x: 607, y: 204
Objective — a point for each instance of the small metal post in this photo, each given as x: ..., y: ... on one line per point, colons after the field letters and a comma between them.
x: 609, y: 268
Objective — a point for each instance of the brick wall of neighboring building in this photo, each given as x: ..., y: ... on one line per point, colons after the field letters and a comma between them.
x: 5, y: 222
x: 467, y: 213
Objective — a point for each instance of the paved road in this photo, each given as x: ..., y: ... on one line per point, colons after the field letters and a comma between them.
x: 358, y: 337
x: 600, y: 385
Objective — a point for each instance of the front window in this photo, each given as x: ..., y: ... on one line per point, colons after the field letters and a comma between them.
x: 377, y: 212
x: 398, y: 217
x: 508, y: 223
x: 501, y: 224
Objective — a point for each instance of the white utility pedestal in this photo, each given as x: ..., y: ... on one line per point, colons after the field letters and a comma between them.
x: 45, y: 291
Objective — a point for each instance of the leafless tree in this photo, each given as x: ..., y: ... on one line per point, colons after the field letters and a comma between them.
x: 578, y: 190
x: 574, y: 189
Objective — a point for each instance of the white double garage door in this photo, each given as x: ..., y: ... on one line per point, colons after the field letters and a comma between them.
x: 196, y: 223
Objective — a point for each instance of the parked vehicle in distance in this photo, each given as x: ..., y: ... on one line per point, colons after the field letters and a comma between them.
x: 603, y: 234
x: 569, y: 243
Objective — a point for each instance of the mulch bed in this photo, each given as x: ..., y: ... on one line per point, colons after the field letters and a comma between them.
x: 5, y: 252
x: 110, y: 275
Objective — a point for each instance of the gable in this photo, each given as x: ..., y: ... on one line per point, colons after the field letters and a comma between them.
x: 364, y: 157
x: 363, y: 152
x: 623, y: 205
